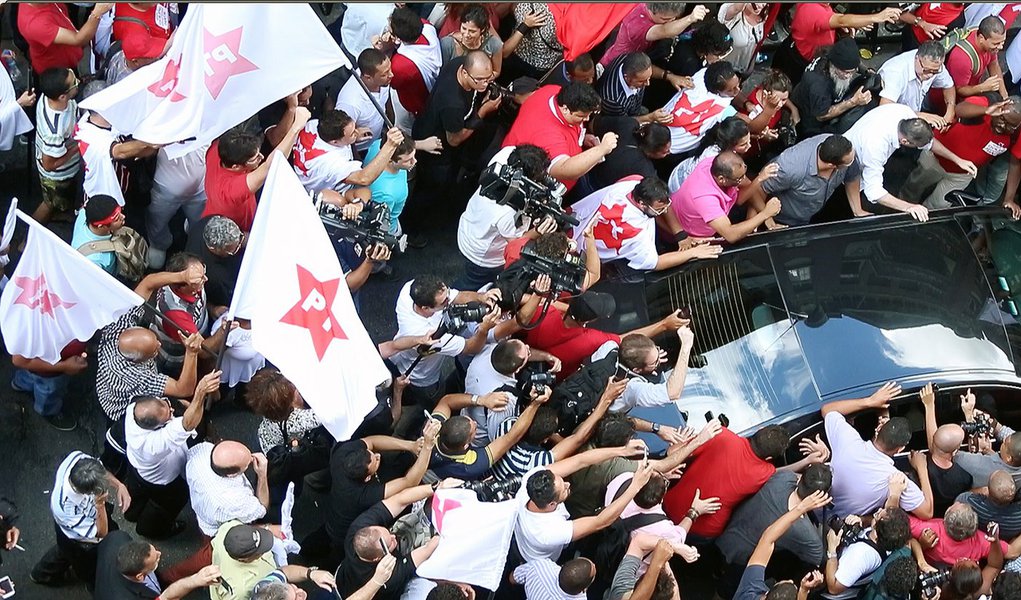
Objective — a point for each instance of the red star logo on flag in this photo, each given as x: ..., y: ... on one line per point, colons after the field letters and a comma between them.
x: 691, y: 117
x: 440, y: 509
x: 223, y: 60
x: 305, y: 150
x: 313, y: 311
x: 35, y: 294
x: 167, y: 85
x: 611, y: 229
x: 82, y: 146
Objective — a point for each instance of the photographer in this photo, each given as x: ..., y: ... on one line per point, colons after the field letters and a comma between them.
x: 982, y: 463
x: 487, y: 225
x: 850, y: 565
x: 421, y: 306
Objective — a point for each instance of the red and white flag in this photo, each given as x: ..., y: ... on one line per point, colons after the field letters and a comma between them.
x: 55, y: 296
x: 227, y: 61
x: 292, y: 288
x: 474, y: 538
x: 622, y: 230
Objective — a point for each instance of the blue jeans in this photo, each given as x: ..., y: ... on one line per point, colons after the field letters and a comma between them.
x: 48, y: 391
x: 475, y: 276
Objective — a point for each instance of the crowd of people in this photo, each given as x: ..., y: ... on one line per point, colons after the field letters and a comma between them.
x: 683, y: 130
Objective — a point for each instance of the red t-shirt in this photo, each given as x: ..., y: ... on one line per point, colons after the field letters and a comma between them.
x: 937, y: 13
x: 723, y: 467
x: 572, y: 345
x: 408, y: 81
x: 1009, y: 13
x: 959, y: 63
x: 975, y: 142
x: 39, y: 24
x: 947, y: 550
x: 811, y: 28
x: 540, y: 123
x: 631, y: 36
x: 227, y: 192
x: 156, y: 18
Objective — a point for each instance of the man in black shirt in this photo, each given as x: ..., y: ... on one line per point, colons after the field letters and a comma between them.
x: 126, y: 570
x: 459, y: 102
x: 218, y: 241
x: 363, y: 550
x: 824, y: 95
x: 947, y: 478
x: 355, y: 471
x: 636, y: 148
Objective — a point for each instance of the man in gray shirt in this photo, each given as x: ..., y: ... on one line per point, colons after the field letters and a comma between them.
x: 981, y: 466
x: 809, y: 172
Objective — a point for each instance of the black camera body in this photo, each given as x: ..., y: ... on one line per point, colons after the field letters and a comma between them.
x: 508, y: 186
x: 852, y: 532
x: 982, y: 425
x: 566, y: 275
x: 494, y: 490
x: 928, y: 583
x: 370, y: 227
x: 494, y: 90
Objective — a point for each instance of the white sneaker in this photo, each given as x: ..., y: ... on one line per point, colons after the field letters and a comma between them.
x: 156, y: 258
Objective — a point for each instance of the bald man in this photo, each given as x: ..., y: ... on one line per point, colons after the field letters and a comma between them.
x: 997, y: 504
x: 947, y: 478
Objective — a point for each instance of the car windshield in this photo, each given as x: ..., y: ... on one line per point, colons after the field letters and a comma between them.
x: 779, y: 327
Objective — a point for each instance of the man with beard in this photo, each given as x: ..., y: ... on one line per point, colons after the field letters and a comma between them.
x: 822, y: 96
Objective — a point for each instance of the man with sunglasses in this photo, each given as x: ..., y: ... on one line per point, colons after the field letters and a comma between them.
x: 157, y: 445
x: 56, y: 154
x: 908, y: 77
x: 983, y: 132
x: 625, y: 216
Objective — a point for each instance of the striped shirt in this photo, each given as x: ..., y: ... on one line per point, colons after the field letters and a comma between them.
x: 521, y: 458
x: 118, y: 380
x: 619, y: 99
x: 53, y: 130
x: 217, y: 499
x: 541, y: 579
x: 74, y: 513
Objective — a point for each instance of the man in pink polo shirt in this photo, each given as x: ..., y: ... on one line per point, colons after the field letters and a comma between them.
x: 704, y: 200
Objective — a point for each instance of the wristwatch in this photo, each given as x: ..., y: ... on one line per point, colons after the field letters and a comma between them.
x: 655, y: 427
x: 308, y: 574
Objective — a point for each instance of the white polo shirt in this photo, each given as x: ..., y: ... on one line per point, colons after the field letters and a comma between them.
x: 541, y: 535
x: 875, y: 137
x: 353, y: 101
x: 901, y: 83
x: 409, y: 322
x: 158, y: 455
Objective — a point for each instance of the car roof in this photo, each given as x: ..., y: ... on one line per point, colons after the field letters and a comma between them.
x: 788, y: 320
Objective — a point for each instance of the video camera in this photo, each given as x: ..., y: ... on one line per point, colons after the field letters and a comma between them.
x: 370, y: 227
x: 508, y: 186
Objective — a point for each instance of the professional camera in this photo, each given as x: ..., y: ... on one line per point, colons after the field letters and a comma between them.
x: 508, y: 185
x: 566, y: 275
x: 982, y: 425
x: 370, y: 227
x: 494, y: 490
x: 930, y: 582
x: 495, y: 90
x: 533, y: 377
x: 852, y: 532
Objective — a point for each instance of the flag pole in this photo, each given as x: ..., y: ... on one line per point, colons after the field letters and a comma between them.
x: 365, y: 88
x: 158, y: 313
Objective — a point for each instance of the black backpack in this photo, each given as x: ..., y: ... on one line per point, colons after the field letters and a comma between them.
x: 576, y: 397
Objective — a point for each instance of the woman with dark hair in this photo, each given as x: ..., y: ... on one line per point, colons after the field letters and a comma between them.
x: 638, y: 145
x: 475, y: 33
x: 731, y: 133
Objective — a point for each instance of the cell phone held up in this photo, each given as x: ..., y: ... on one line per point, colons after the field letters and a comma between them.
x: 723, y: 418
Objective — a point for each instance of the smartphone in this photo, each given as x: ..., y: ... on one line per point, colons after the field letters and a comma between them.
x: 382, y: 545
x: 685, y: 312
x: 621, y: 373
x: 6, y: 587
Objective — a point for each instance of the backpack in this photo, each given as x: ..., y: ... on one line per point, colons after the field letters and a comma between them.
x: 959, y: 38
x: 873, y: 590
x: 576, y: 397
x: 130, y: 249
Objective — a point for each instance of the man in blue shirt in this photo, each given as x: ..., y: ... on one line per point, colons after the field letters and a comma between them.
x: 97, y: 222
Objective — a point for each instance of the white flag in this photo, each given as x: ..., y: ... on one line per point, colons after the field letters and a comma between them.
x: 227, y: 62
x: 292, y: 288
x: 55, y: 296
x: 474, y: 538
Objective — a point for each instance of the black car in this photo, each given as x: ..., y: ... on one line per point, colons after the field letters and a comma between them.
x: 788, y: 320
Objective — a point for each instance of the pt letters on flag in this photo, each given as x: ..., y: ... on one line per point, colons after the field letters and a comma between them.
x: 55, y: 296
x: 227, y: 62
x: 293, y: 290
x: 474, y: 538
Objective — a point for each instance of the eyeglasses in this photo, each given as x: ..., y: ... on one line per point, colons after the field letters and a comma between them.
x: 479, y: 80
x: 928, y: 71
x: 76, y: 83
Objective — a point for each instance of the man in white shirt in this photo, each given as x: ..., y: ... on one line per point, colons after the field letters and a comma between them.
x: 420, y: 309
x: 323, y: 159
x: 908, y: 77
x: 79, y: 507
x: 487, y: 226
x: 157, y: 450
x: 546, y: 580
x: 876, y: 136
x: 375, y: 72
x: 544, y: 527
x: 99, y: 148
x: 694, y: 111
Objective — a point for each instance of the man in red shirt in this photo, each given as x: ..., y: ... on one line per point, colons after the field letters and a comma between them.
x: 553, y: 118
x: 416, y: 59
x: 815, y: 25
x: 53, y: 41
x: 235, y: 169
x: 930, y: 21
x: 731, y: 468
x: 981, y: 134
x: 973, y: 65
